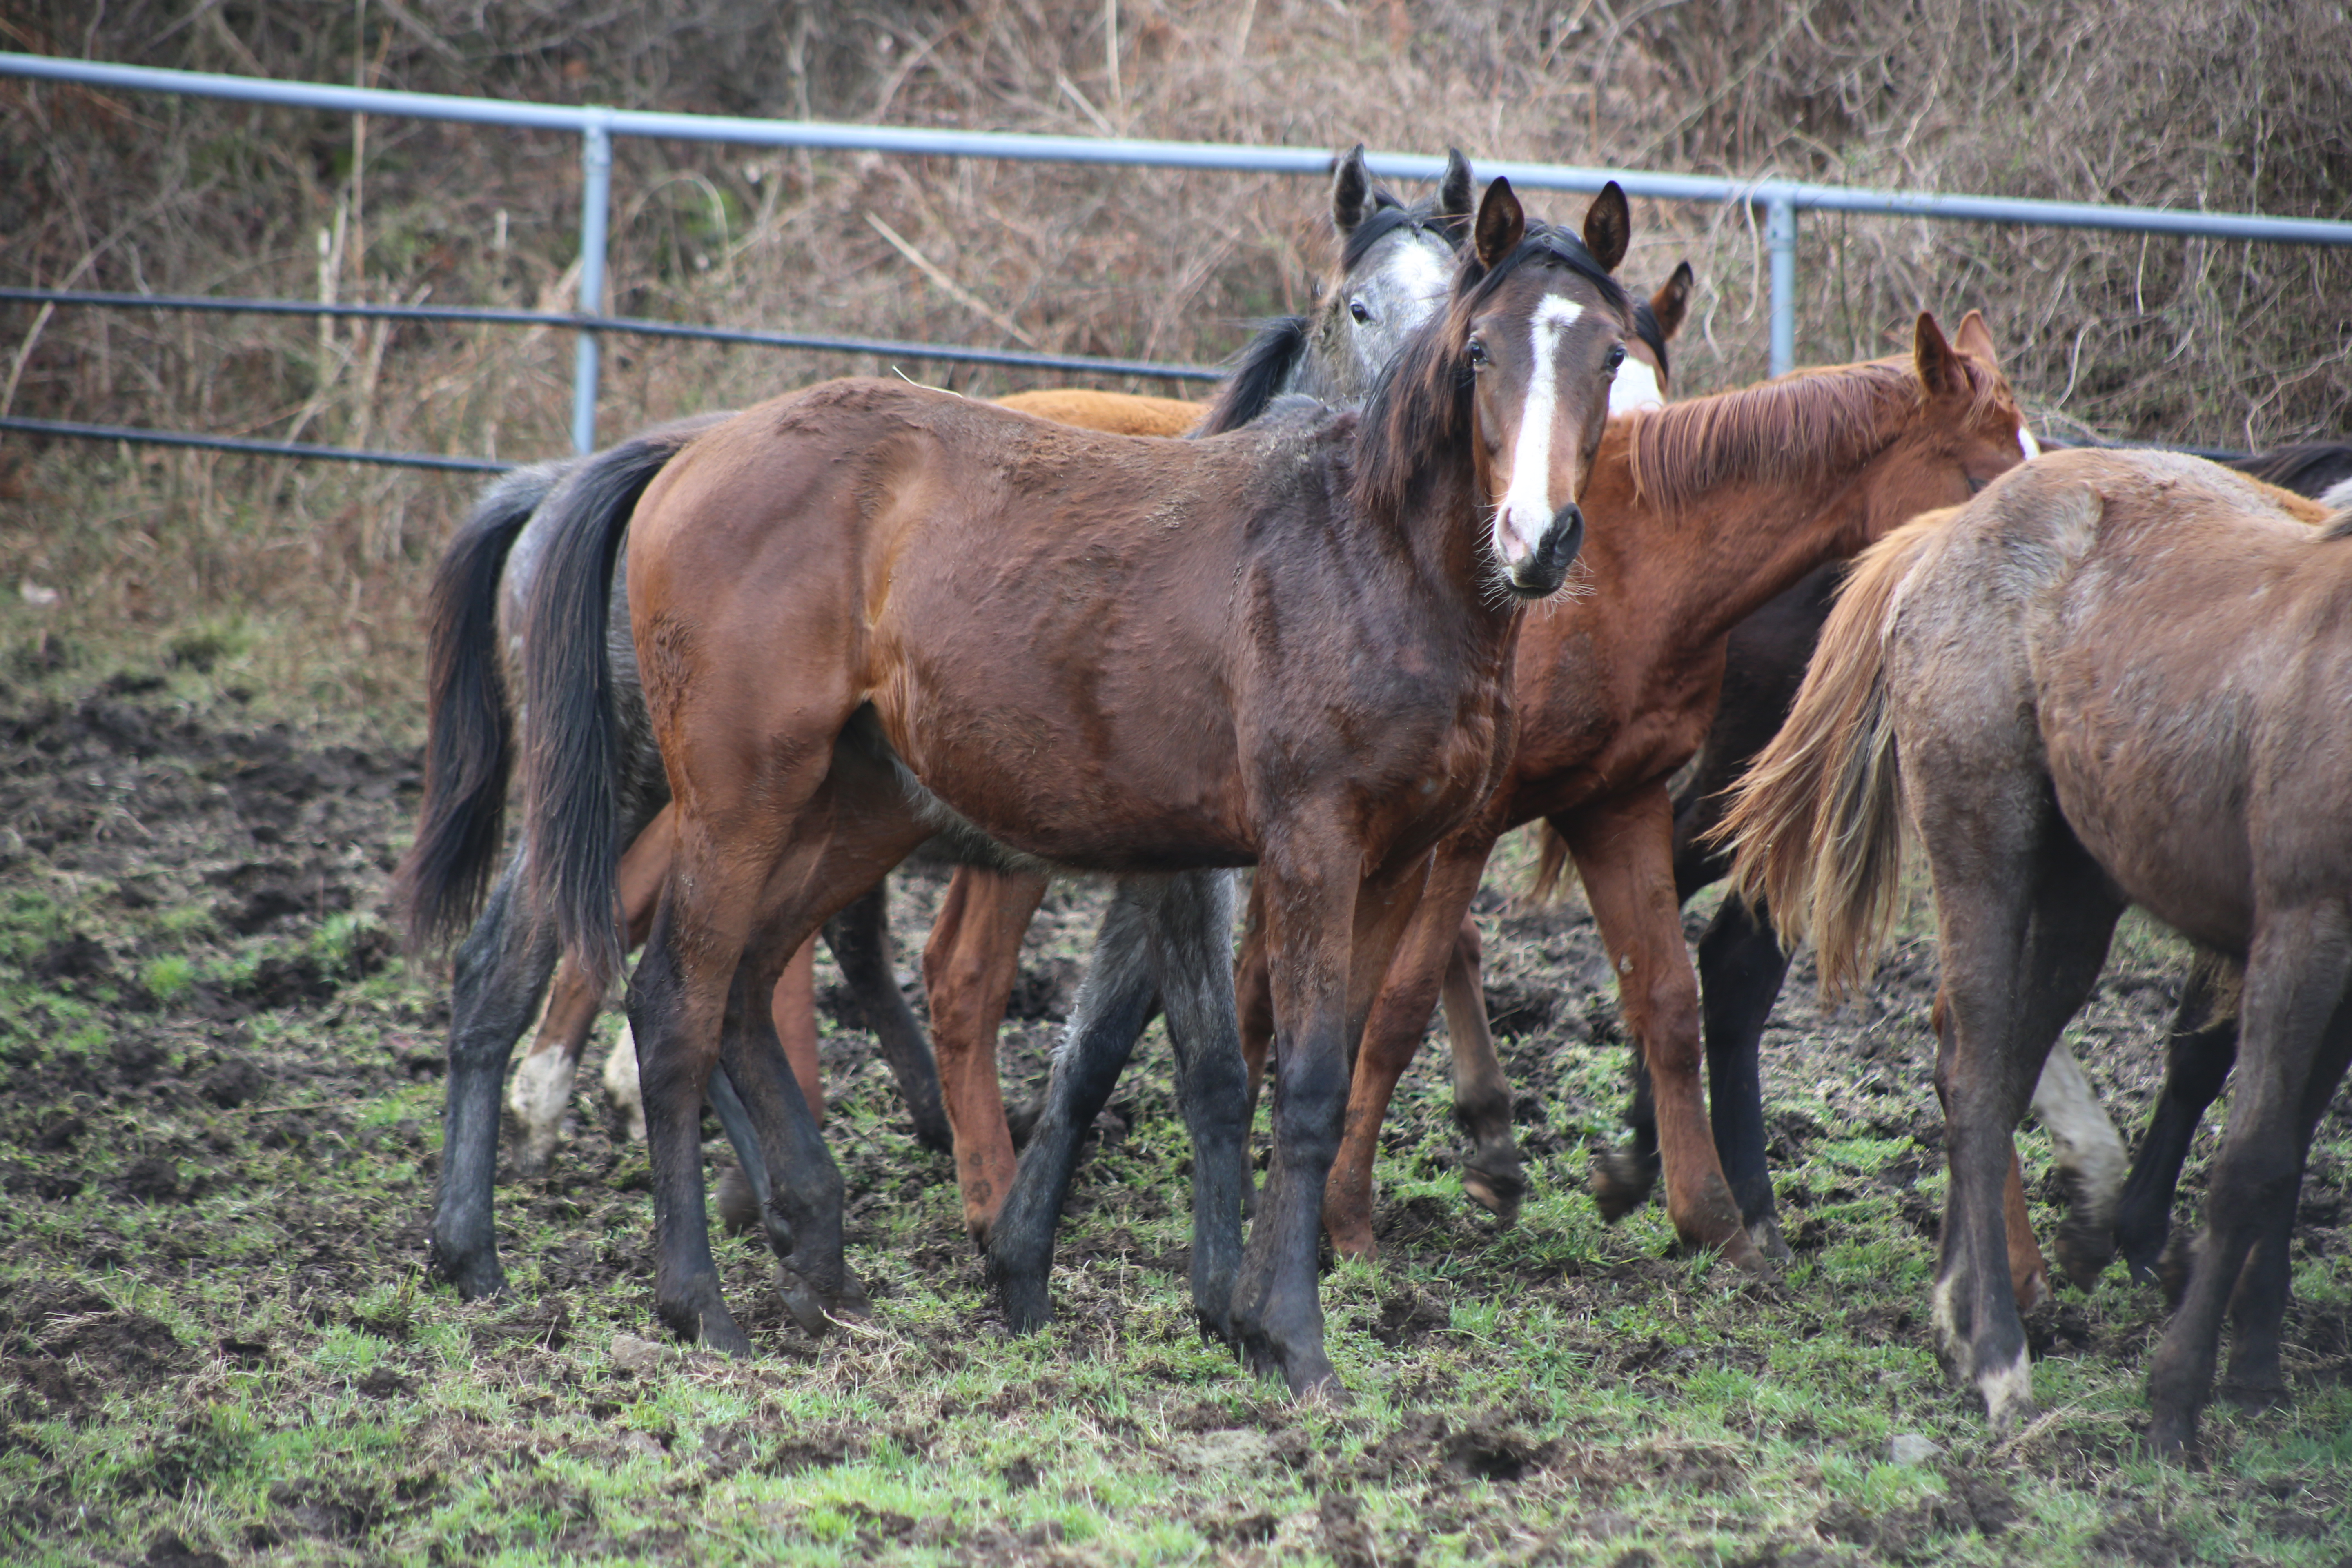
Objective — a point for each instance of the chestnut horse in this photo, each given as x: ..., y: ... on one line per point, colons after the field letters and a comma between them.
x: 1717, y: 504
x: 1742, y: 964
x: 1390, y: 257
x: 2117, y: 677
x: 1289, y: 645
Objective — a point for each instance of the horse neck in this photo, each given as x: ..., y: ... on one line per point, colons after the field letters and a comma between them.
x: 1708, y: 564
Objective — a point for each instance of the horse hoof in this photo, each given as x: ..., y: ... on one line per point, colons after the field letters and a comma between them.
x: 1023, y: 1300
x: 1305, y: 1370
x: 1621, y: 1181
x: 476, y: 1276
x: 2265, y: 1393
x: 739, y: 1208
x: 1765, y: 1235
x: 2083, y: 1252
x: 1498, y: 1189
x: 1353, y: 1241
x: 806, y: 1304
x: 2172, y: 1433
x: 709, y: 1324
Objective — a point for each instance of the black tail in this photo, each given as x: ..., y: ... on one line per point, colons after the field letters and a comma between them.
x: 571, y: 733
x: 467, y: 747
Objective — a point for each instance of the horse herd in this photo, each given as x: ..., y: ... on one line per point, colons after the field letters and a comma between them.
x: 1440, y: 560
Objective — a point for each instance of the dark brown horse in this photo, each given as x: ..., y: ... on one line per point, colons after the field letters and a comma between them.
x: 1395, y: 259
x: 2117, y: 677
x: 870, y: 611
x: 1716, y: 505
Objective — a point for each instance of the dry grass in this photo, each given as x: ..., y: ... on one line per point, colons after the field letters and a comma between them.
x: 2171, y: 103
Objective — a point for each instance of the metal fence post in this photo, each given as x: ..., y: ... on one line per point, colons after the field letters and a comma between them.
x: 1780, y: 238
x: 595, y: 204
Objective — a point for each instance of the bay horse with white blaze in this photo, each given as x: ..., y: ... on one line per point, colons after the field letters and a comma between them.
x: 2116, y: 678
x: 1289, y: 645
x: 1395, y: 259
x: 1714, y: 505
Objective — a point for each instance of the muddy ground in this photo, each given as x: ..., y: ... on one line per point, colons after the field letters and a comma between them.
x: 218, y: 1135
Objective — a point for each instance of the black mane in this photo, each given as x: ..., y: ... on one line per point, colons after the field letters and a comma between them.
x: 1646, y: 328
x: 1258, y: 374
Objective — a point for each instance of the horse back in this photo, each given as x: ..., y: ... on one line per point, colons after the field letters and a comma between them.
x: 2185, y: 641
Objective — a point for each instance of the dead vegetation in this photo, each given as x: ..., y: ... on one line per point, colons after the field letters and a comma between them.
x: 2171, y: 103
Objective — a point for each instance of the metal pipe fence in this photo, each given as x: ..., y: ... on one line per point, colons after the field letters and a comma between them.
x: 1780, y: 201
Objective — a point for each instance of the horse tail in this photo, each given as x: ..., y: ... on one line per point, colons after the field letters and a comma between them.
x: 1816, y: 825
x: 468, y: 750
x: 571, y: 731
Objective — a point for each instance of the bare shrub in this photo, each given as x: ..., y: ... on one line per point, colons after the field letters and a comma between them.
x: 2166, y: 102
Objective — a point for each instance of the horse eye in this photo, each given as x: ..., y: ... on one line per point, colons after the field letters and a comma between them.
x: 1616, y: 355
x: 1976, y: 484
x: 1478, y: 353
x: 1356, y: 308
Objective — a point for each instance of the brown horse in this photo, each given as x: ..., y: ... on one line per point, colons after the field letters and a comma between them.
x: 1716, y: 505
x: 2117, y: 677
x: 1287, y: 647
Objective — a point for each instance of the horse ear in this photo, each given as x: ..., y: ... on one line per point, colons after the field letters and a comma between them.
x: 1975, y: 339
x: 1458, y: 194
x: 1501, y: 225
x: 1608, y: 227
x: 1351, y: 192
x: 1671, y: 303
x: 1938, y: 367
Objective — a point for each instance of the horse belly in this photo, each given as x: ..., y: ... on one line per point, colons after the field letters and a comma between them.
x: 1038, y: 782
x: 2156, y: 796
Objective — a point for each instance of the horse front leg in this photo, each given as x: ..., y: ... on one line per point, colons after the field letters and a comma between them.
x: 1741, y: 965
x: 1623, y: 851
x: 970, y: 964
x: 2198, y: 1049
x: 1308, y: 902
x: 1397, y: 1016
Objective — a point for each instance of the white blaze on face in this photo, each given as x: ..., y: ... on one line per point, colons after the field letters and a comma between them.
x: 1635, y: 388
x: 1526, y: 514
x: 2027, y: 443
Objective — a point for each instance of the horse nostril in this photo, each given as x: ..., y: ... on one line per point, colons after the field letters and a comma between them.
x: 1566, y: 535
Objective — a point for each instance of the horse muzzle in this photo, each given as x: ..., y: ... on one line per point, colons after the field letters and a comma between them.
x: 1540, y: 574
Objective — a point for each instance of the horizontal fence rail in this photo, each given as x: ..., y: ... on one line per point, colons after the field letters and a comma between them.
x: 1780, y: 201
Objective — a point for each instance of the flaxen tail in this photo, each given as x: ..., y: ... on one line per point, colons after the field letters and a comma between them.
x: 1816, y: 825
x: 468, y: 749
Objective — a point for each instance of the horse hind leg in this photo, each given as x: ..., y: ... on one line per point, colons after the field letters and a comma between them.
x: 1191, y: 948
x: 2296, y: 1038
x: 2258, y: 1305
x: 1116, y: 1001
x: 499, y: 972
x: 2025, y: 930
x: 859, y: 937
x: 969, y: 966
x: 2090, y: 1165
x: 1492, y: 1174
x: 540, y: 1091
